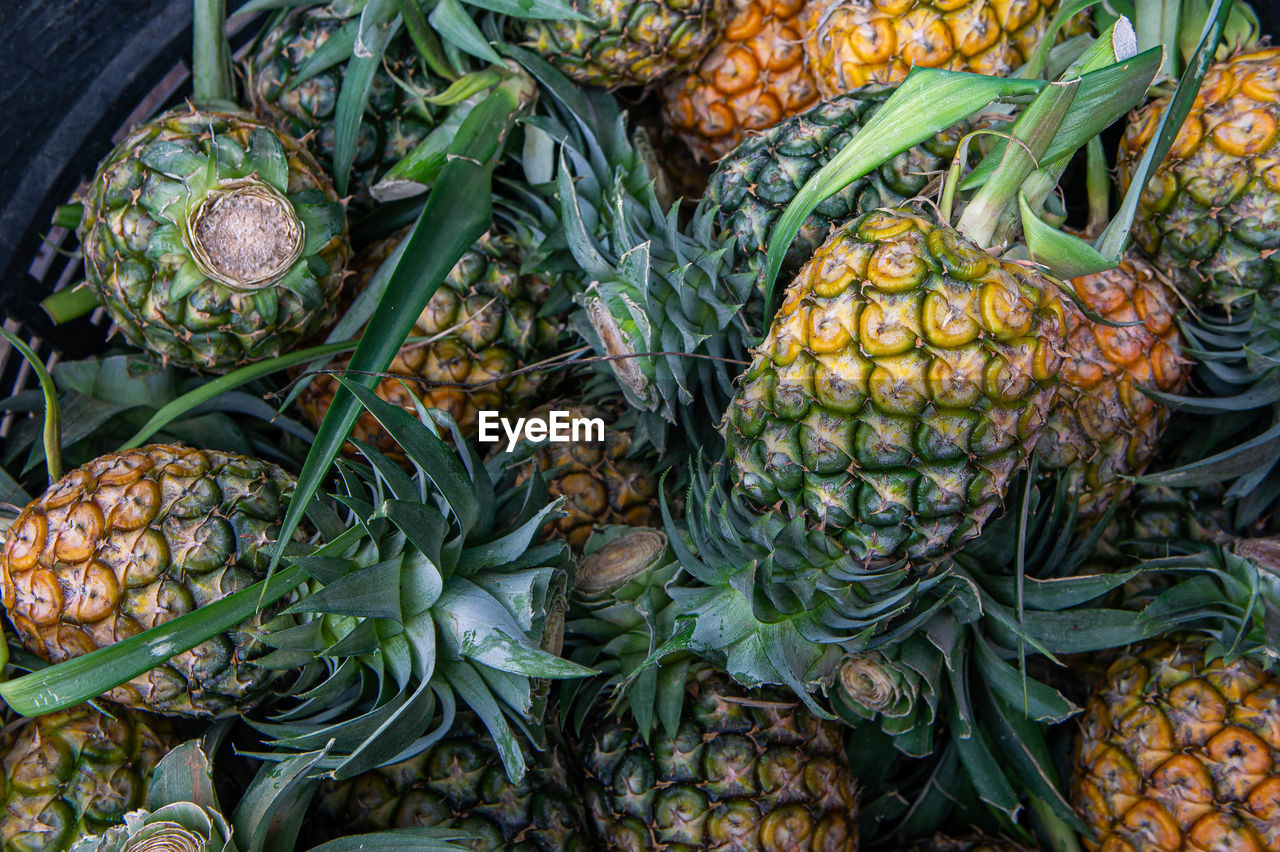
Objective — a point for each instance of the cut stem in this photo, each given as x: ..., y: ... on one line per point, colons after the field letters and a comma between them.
x: 68, y: 216
x: 1033, y: 133
x: 71, y: 303
x: 211, y: 56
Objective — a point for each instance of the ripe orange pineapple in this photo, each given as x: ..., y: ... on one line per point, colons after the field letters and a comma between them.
x: 755, y: 77
x: 777, y: 57
x: 1180, y: 750
x: 852, y: 43
x: 1105, y: 428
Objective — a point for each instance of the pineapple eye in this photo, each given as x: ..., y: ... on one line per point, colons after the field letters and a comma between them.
x: 79, y: 533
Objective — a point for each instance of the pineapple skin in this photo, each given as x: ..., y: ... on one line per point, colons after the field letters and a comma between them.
x: 855, y: 42
x: 754, y: 77
x: 777, y: 58
x: 1103, y: 427
x: 628, y: 43
x: 603, y: 483
x: 1178, y: 750
x: 747, y: 770
x: 752, y: 186
x: 73, y: 773
x: 485, y: 321
x: 1208, y: 216
x: 135, y: 539
x: 393, y: 124
x: 137, y: 270
x: 460, y: 783
x: 904, y: 380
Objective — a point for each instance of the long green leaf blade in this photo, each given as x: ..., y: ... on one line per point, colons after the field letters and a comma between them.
x: 925, y: 103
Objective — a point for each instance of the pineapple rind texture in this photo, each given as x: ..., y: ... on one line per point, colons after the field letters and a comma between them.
x: 754, y: 77
x: 752, y: 186
x: 139, y: 253
x: 852, y: 43
x: 745, y: 770
x: 73, y: 773
x: 1178, y: 750
x: 460, y: 783
x: 904, y: 380
x: 395, y: 120
x: 135, y: 539
x: 1103, y: 427
x: 777, y: 58
x: 602, y: 483
x: 1209, y: 216
x: 484, y: 321
x: 628, y: 44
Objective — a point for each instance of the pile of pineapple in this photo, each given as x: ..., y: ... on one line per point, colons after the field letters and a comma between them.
x: 905, y: 498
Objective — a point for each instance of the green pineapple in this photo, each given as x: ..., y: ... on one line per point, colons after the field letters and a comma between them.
x: 213, y: 240
x: 755, y: 182
x: 285, y: 89
x: 628, y: 43
x: 489, y: 319
x: 460, y: 783
x: 74, y: 773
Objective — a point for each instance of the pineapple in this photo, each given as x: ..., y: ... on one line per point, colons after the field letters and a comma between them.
x: 397, y: 116
x: 74, y: 773
x: 602, y: 483
x: 1103, y: 427
x: 1207, y: 216
x: 776, y: 59
x: 459, y: 783
x: 469, y: 606
x: 745, y: 769
x: 754, y: 77
x: 213, y: 240
x: 851, y: 43
x: 713, y: 765
x: 137, y: 538
x: 1178, y: 749
x: 752, y: 186
x: 485, y: 321
x: 903, y: 381
x: 627, y: 43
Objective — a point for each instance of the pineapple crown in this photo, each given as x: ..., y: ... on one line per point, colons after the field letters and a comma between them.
x: 907, y: 653
x: 476, y: 615
x: 661, y: 303
x: 183, y: 813
x: 1228, y: 594
x: 1236, y: 359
